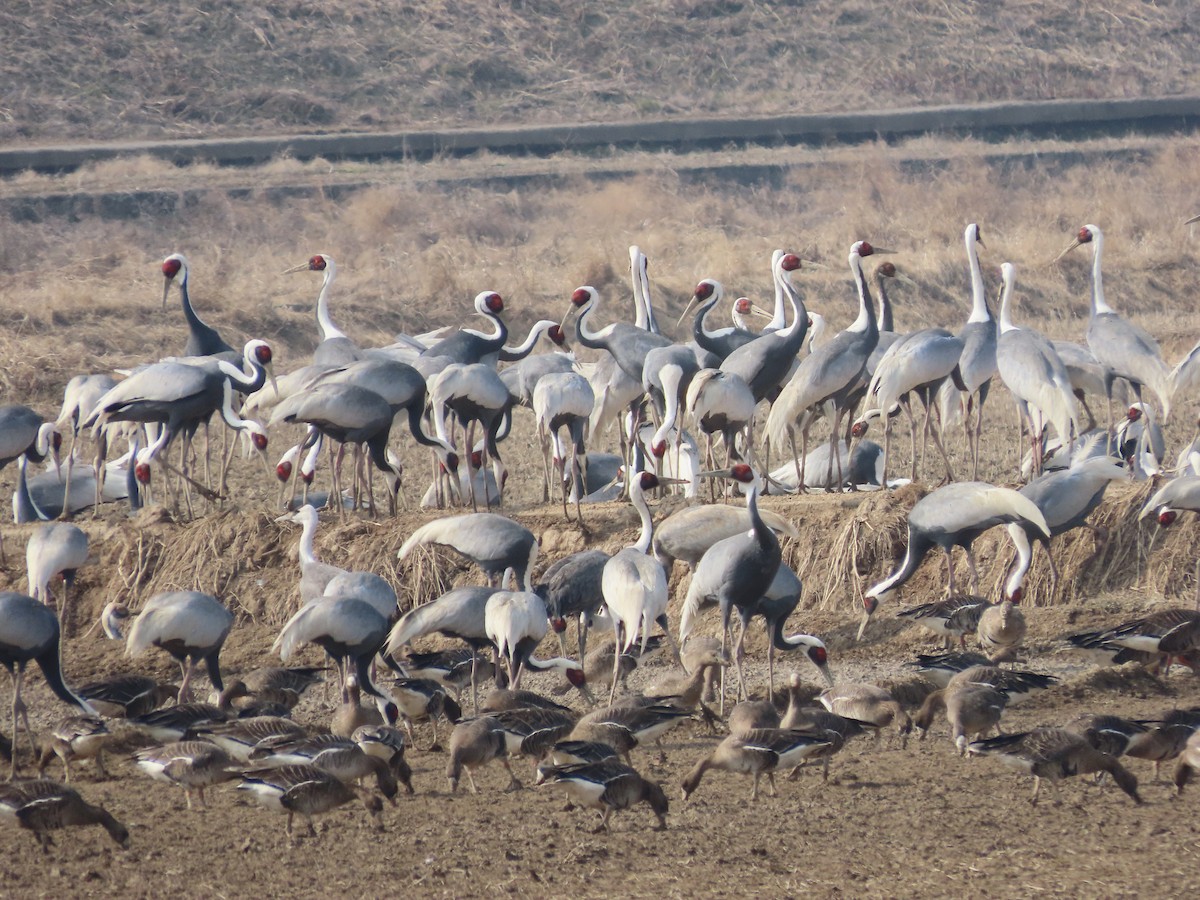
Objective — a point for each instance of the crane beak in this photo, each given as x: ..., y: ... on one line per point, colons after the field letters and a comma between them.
x: 687, y: 309
x: 904, y: 279
x: 1071, y: 246
x: 875, y: 251
x: 662, y: 480
x: 757, y: 310
x: 862, y: 628
x: 779, y: 484
x: 567, y: 315
x: 1192, y: 219
x: 303, y: 267
x: 166, y: 291
x: 271, y: 375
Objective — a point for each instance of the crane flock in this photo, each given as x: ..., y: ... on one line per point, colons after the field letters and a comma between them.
x: 659, y: 392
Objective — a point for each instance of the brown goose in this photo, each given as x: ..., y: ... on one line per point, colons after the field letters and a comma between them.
x: 534, y: 730
x: 306, y: 791
x: 695, y: 650
x: 624, y: 727
x: 1189, y: 762
x: 972, y: 709
x: 756, y: 753
x: 607, y: 786
x: 193, y: 765
x: 284, y: 685
x: 1001, y: 628
x: 76, y: 737
x: 239, y: 737
x: 352, y: 714
x: 503, y: 699
x: 1165, y: 635
x: 687, y: 691
x: 1055, y: 754
x: 1168, y: 736
x: 868, y: 703
x: 475, y: 743
x: 387, y: 743
x: 751, y: 714
x: 43, y: 806
x: 952, y: 618
x: 423, y: 700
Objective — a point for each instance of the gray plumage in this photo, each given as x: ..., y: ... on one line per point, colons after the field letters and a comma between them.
x: 190, y: 626
x: 493, y: 542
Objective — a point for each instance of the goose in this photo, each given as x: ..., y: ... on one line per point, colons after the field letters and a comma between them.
x: 282, y: 684
x: 757, y: 752
x: 954, y: 617
x: 240, y: 737
x: 126, y: 696
x: 193, y: 765
x: 450, y: 668
x: 475, y: 743
x: 1167, y: 738
x: 340, y: 757
x: 533, y: 731
x: 567, y: 753
x: 608, y: 786
x: 1001, y: 628
x: 504, y: 699
x: 749, y: 715
x: 387, y: 743
x: 352, y: 714
x: 626, y: 726
x: 1019, y: 685
x: 174, y: 723
x: 76, y: 737
x: 1166, y: 633
x: 189, y: 625
x: 43, y: 806
x: 423, y: 700
x: 349, y: 630
x: 1112, y: 734
x: 1054, y: 754
x: 306, y: 791
x: 972, y: 709
x: 695, y: 649
x: 1189, y: 762
x: 836, y: 730
x: 868, y: 703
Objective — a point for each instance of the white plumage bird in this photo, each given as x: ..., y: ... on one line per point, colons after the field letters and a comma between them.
x: 515, y: 621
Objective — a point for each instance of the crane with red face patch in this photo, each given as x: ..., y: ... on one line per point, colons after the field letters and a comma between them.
x: 1182, y: 493
x: 203, y: 339
x: 334, y: 348
x: 469, y: 346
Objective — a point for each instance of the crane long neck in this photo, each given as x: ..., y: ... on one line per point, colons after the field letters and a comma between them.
x: 865, y: 323
x: 781, y: 642
x: 514, y: 354
x: 597, y: 340
x: 417, y: 425
x: 195, y: 323
x: 244, y: 382
x: 24, y: 509
x: 886, y: 320
x: 309, y: 532
x: 227, y: 413
x: 779, y: 318
x: 50, y: 663
x: 1099, y: 304
x: 1006, y: 322
x: 1024, y: 550
x: 918, y: 546
x: 700, y: 330
x: 643, y: 306
x: 324, y: 322
x: 499, y: 335
x: 639, y: 503
x: 765, y: 535
x: 979, y: 310
x: 795, y: 332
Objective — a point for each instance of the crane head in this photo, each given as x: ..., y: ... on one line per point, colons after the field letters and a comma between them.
x: 1167, y: 517
x: 489, y: 303
x: 110, y: 620
x: 978, y: 236
x: 557, y: 335
x: 283, y: 470
x: 318, y: 262
x: 172, y: 266
x: 886, y: 269
x: 742, y: 306
x: 870, y: 604
x: 576, y: 677
x: 704, y: 290
x: 1016, y: 595
x: 789, y: 262
x: 859, y: 428
x: 582, y: 295
x: 1134, y: 413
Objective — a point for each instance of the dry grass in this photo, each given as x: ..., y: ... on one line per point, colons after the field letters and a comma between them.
x: 91, y: 70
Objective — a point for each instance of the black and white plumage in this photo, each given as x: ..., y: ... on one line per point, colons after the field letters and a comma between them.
x: 474, y: 393
x: 29, y: 632
x: 608, y: 786
x: 953, y: 516
x: 189, y: 625
x: 203, y: 339
x: 126, y: 696
x: 951, y: 618
x: 491, y: 541
x: 687, y: 534
x: 1163, y: 634
x: 707, y: 295
x: 76, y: 737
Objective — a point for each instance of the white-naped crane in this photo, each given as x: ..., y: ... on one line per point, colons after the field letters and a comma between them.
x: 917, y: 363
x: 977, y: 364
x: 666, y: 376
x: 334, y: 348
x: 563, y: 400
x: 1182, y: 493
x: 685, y: 535
x: 1030, y: 368
x: 179, y: 397
x: 735, y: 572
x: 1140, y: 442
x: 55, y: 550
x: 634, y: 583
x: 707, y: 295
x: 79, y: 398
x: 348, y: 414
x: 572, y: 588
x: 491, y: 541
x: 189, y: 625
x: 29, y: 632
x: 953, y: 516
x: 827, y: 377
x: 628, y: 344
x: 203, y: 339
x: 314, y: 574
x: 1066, y: 498
x: 1123, y: 348
x: 515, y: 622
x: 765, y: 364
x: 25, y: 433
x: 1086, y: 374
x: 458, y: 613
x: 722, y: 402
x: 349, y: 630
x: 468, y: 346
x: 474, y: 393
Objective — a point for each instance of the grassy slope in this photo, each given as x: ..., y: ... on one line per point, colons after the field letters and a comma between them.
x: 128, y: 68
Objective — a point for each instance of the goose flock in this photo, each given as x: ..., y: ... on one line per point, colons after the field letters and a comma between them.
x: 395, y: 670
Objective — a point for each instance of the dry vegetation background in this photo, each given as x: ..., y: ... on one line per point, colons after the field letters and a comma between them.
x: 135, y: 68
x: 81, y: 294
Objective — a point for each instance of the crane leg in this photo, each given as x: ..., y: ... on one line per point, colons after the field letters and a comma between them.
x: 974, y: 582
x: 618, y: 646
x: 949, y: 573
